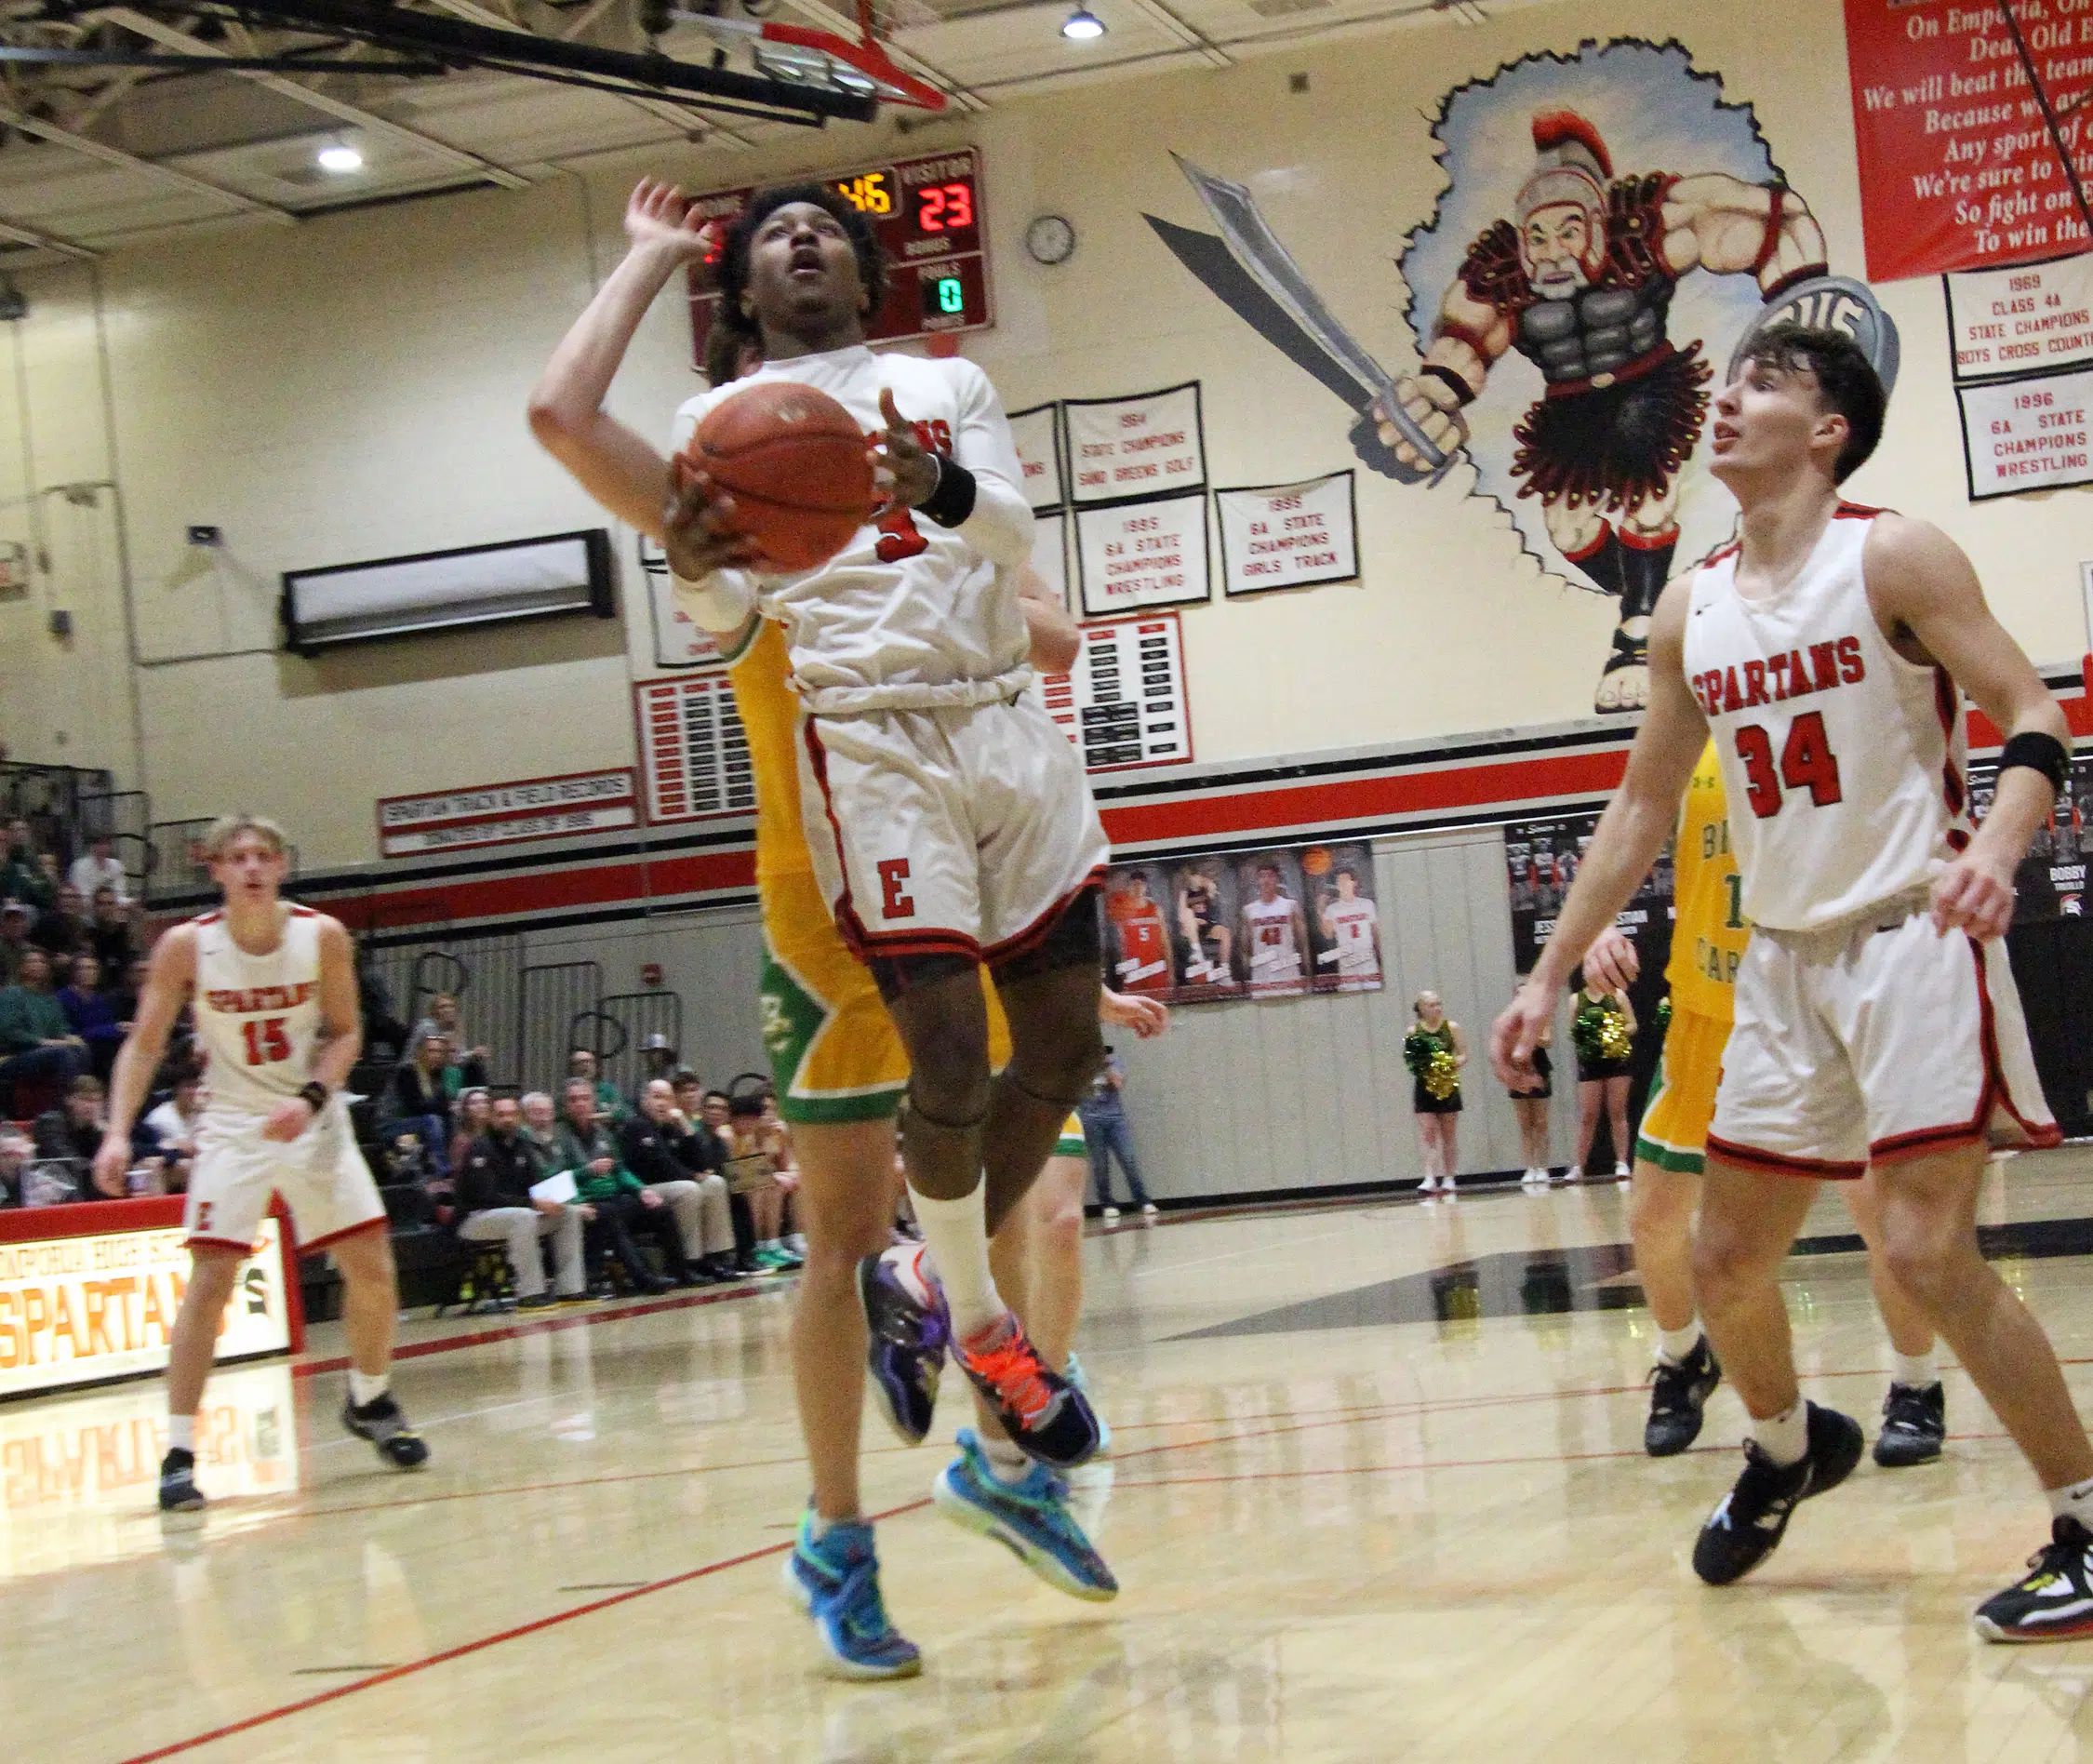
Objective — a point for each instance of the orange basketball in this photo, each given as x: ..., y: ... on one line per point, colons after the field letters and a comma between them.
x: 795, y: 461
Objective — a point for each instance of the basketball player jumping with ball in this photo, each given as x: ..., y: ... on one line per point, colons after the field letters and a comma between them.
x: 1876, y: 1020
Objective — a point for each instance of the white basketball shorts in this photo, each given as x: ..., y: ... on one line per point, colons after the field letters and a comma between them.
x: 1873, y: 1041
x: 964, y: 830
x: 321, y: 1174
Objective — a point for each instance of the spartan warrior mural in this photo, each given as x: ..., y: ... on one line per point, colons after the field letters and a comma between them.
x: 1558, y: 317
x: 1579, y: 280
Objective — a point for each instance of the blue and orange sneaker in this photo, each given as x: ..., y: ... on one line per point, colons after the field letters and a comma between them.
x: 835, y: 1579
x: 1045, y: 1416
x: 1029, y: 1519
x: 909, y: 1327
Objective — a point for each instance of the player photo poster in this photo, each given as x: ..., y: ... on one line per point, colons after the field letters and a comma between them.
x: 1274, y: 955
x: 2050, y: 883
x: 1343, y: 918
x: 1540, y: 859
x: 1140, y: 957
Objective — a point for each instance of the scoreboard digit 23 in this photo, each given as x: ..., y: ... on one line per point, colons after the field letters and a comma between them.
x: 928, y: 213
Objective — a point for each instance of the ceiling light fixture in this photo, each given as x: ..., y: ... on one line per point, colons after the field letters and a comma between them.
x: 1083, y: 26
x: 340, y: 158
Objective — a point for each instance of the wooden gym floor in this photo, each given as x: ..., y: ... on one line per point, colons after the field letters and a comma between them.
x: 1376, y: 1493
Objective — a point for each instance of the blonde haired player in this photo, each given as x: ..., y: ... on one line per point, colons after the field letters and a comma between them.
x: 839, y: 1067
x: 273, y: 990
x: 1708, y: 937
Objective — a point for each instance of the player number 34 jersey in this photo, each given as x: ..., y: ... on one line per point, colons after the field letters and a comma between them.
x: 258, y: 1017
x: 1845, y: 764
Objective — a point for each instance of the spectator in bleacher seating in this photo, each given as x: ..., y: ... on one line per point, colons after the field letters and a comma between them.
x: 495, y: 1177
x: 622, y: 1205
x: 75, y: 1131
x: 795, y: 1238
x: 111, y: 933
x: 706, y: 1149
x: 62, y: 930
x: 91, y: 1015
x: 657, y: 1058
x: 35, y: 1039
x: 15, y: 1153
x: 176, y: 1122
x: 443, y: 1020
x: 417, y: 1101
x: 753, y: 1143
x: 15, y: 917
x: 100, y: 869
x: 542, y: 1128
x: 650, y: 1143
x: 385, y: 1036
x: 23, y: 875
x: 610, y: 1100
x: 472, y: 1113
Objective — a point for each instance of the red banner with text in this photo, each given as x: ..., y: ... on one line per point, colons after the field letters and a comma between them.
x: 1958, y: 168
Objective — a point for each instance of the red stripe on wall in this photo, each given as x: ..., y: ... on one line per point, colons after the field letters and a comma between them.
x: 1579, y: 774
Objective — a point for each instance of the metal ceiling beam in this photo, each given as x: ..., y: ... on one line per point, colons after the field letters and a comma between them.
x: 682, y: 120
x: 1159, y: 15
x: 829, y: 18
x: 50, y: 241
x: 342, y: 111
x: 92, y: 149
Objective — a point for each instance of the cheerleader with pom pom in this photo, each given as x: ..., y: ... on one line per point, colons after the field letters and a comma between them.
x: 1435, y: 1050
x: 1603, y: 1032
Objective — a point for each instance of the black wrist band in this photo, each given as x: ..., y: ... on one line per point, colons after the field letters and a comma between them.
x: 953, y: 500
x: 313, y: 1095
x: 2040, y: 752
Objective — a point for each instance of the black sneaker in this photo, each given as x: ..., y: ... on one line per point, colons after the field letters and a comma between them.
x: 1754, y: 1516
x: 1678, y: 1396
x: 178, y: 1492
x: 1914, y: 1421
x: 1047, y: 1417
x: 382, y: 1423
x: 2054, y: 1602
x: 536, y: 1301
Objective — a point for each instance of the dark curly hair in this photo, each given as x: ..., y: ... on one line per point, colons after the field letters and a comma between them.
x: 733, y: 255
x: 1846, y: 382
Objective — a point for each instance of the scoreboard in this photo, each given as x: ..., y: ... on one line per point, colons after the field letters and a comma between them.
x: 928, y: 213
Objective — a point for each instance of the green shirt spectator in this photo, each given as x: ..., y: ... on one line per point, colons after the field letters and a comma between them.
x: 30, y: 1015
x: 22, y: 875
x: 610, y: 1100
x: 586, y: 1146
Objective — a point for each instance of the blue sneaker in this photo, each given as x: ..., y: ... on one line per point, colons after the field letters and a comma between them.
x: 1081, y: 1380
x: 906, y: 1319
x: 1029, y: 1519
x: 835, y: 1579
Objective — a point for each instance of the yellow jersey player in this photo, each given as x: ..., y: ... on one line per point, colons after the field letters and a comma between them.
x: 1709, y: 936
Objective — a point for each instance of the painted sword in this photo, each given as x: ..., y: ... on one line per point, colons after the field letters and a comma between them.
x: 1255, y: 247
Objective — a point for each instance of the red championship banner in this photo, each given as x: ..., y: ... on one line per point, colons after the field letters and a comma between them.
x: 1958, y: 167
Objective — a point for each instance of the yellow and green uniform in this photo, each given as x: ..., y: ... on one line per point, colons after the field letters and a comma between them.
x: 1709, y: 933
x: 833, y: 1053
x: 1072, y: 1143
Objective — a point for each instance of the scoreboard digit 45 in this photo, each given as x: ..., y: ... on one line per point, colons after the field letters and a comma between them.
x: 928, y: 213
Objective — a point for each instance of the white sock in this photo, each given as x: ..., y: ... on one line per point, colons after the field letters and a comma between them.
x: 1008, y: 1464
x: 2076, y: 1500
x: 957, y: 1234
x: 1915, y: 1370
x: 1785, y: 1438
x: 819, y: 1528
x: 364, y: 1388
x: 1673, y: 1345
x: 181, y: 1433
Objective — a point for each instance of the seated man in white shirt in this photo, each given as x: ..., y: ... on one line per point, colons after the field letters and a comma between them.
x: 176, y: 1122
x: 100, y: 869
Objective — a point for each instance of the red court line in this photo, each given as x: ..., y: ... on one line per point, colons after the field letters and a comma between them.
x: 465, y: 1648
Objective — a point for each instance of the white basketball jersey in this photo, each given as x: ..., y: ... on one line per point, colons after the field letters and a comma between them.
x: 1845, y: 765
x: 1273, y: 953
x: 1353, y: 924
x: 258, y: 1017
x: 909, y: 614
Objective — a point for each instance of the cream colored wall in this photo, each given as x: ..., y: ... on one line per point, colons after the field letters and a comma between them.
x: 354, y: 389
